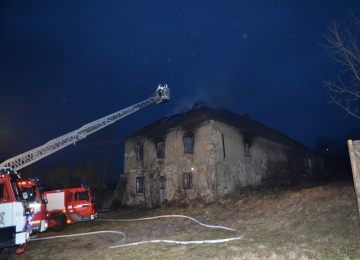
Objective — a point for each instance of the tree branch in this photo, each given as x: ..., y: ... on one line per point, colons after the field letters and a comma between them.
x: 343, y: 48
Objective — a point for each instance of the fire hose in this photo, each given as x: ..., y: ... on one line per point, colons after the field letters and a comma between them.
x: 210, y: 241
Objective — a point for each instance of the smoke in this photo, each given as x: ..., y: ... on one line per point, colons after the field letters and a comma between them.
x: 212, y: 98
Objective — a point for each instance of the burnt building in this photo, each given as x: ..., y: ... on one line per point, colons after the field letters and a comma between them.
x: 205, y: 154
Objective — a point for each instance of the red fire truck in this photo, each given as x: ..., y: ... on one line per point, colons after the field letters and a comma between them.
x: 22, y: 206
x: 55, y: 209
x: 69, y: 206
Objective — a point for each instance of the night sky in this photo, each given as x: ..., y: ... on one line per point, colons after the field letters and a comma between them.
x: 66, y: 63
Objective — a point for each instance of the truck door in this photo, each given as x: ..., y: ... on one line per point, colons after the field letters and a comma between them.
x: 80, y: 203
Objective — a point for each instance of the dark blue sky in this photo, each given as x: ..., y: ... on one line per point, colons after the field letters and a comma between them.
x: 66, y: 63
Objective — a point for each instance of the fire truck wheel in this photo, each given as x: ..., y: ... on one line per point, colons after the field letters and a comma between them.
x: 59, y: 223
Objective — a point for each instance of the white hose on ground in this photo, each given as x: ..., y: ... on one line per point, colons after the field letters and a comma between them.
x: 82, y: 234
x: 213, y: 241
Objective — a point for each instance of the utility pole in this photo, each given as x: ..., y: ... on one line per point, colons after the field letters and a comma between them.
x: 354, y: 151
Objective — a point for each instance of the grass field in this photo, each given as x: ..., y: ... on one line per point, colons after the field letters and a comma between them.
x: 309, y: 223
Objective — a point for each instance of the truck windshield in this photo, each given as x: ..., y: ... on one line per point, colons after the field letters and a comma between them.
x: 16, y: 190
x: 31, y: 191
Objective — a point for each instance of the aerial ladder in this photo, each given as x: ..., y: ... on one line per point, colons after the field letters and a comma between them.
x: 15, y: 215
x: 18, y: 162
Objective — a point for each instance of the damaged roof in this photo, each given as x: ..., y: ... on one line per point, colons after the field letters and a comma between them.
x: 200, y: 114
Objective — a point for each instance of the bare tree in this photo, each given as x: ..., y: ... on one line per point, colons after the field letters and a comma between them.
x: 342, y: 44
x: 88, y: 173
x: 59, y: 177
x: 105, y: 152
x: 149, y: 169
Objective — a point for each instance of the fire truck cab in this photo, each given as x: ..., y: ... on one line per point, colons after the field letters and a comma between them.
x: 14, y: 225
x: 68, y: 206
x: 37, y: 203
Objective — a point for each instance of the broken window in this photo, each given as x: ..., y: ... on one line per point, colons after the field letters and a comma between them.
x: 187, y: 182
x: 160, y: 150
x: 189, y: 143
x: 139, y: 184
x: 139, y: 152
x: 247, y: 150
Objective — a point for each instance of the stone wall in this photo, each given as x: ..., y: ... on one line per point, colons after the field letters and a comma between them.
x: 223, y: 161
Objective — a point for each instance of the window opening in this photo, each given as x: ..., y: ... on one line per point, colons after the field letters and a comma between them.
x: 307, y: 162
x: 31, y: 191
x: 189, y: 143
x: 139, y: 153
x: 247, y: 150
x: 187, y: 182
x: 81, y: 196
x: 162, y: 182
x: 160, y: 150
x: 152, y: 173
x: 16, y: 189
x: 139, y: 184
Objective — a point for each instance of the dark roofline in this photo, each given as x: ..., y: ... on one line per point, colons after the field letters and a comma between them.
x: 201, y: 114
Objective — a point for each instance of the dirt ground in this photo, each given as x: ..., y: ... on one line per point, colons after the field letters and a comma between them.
x: 320, y: 222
